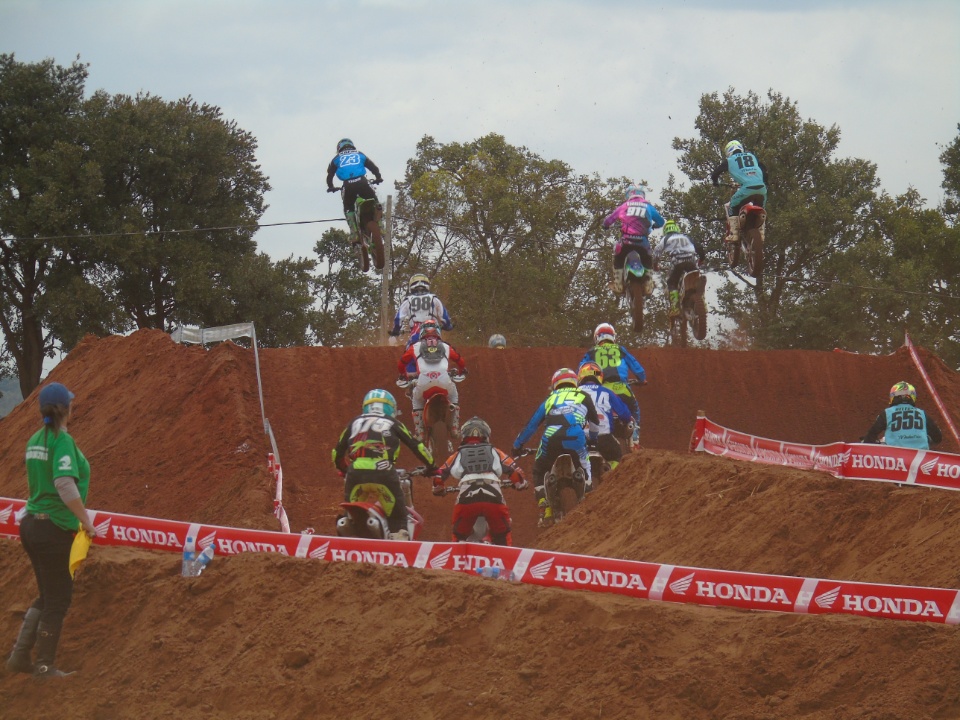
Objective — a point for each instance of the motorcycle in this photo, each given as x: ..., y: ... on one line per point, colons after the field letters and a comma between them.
x: 693, y: 309
x: 598, y: 464
x: 622, y: 431
x: 481, y: 528
x: 438, y: 428
x: 365, y: 514
x: 565, y: 487
x: 752, y: 230
x: 369, y: 215
x: 637, y: 283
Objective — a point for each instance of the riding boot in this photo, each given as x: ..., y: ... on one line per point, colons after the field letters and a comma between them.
x: 733, y: 229
x: 352, y: 222
x: 20, y: 659
x: 47, y: 641
x: 455, y: 420
x: 674, y: 303
x: 418, y: 424
x: 617, y: 284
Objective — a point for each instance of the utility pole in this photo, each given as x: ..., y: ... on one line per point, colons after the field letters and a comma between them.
x: 385, y: 317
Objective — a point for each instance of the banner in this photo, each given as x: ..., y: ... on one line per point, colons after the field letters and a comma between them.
x: 851, y: 461
x: 647, y: 581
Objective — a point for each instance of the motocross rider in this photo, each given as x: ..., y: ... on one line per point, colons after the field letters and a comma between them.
x: 419, y: 306
x: 497, y: 341
x: 751, y: 176
x: 367, y: 451
x: 478, y: 466
x: 637, y: 218
x: 350, y: 166
x: 566, y: 412
x: 902, y: 424
x: 610, y: 407
x: 682, y: 253
x: 617, y: 363
x: 431, y: 358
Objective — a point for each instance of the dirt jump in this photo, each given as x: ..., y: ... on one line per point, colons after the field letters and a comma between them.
x: 177, y: 432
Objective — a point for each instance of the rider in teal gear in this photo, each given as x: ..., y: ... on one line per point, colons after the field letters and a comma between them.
x: 903, y: 424
x: 752, y: 177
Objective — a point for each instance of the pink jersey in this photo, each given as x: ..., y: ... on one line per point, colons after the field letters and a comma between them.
x: 636, y: 216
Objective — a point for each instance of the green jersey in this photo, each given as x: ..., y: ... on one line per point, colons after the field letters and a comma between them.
x: 52, y: 455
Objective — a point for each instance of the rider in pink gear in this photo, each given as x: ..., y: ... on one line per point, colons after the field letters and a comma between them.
x: 637, y: 218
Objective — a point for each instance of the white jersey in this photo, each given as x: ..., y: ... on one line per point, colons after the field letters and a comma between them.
x: 601, y: 401
x: 677, y: 247
x: 417, y: 309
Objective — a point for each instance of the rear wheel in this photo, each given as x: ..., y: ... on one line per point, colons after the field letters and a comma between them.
x: 437, y: 432
x: 754, y: 252
x: 376, y: 243
x: 636, y: 296
x: 362, y: 250
x: 733, y: 253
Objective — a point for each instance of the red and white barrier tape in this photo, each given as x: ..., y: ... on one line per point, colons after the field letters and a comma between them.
x: 277, y: 472
x: 650, y: 581
x: 852, y: 461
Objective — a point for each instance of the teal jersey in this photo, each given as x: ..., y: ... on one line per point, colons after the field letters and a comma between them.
x: 745, y: 170
x: 906, y: 427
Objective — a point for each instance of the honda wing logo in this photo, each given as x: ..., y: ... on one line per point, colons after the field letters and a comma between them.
x: 929, y: 465
x: 681, y: 586
x: 441, y: 560
x: 320, y: 553
x: 208, y: 540
x: 102, y: 528
x: 828, y: 598
x: 5, y: 515
x: 540, y: 570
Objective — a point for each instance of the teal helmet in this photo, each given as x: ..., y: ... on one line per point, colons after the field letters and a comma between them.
x: 344, y: 144
x: 380, y: 402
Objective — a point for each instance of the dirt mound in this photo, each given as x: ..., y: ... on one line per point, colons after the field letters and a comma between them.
x: 176, y: 432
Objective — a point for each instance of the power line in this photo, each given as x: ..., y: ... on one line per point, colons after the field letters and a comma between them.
x: 939, y: 296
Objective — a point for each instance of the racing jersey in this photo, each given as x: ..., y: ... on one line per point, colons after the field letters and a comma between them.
x: 372, y: 442
x: 636, y: 217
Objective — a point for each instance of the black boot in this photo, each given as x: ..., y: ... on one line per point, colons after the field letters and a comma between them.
x: 20, y: 660
x: 49, y: 638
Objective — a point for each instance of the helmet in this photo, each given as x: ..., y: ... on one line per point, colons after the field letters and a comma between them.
x: 380, y: 402
x: 903, y: 390
x: 497, y: 341
x: 475, y: 428
x: 671, y: 227
x: 563, y: 376
x: 604, y: 332
x: 732, y: 148
x: 419, y: 284
x: 430, y: 329
x: 636, y: 191
x: 344, y: 144
x: 590, y: 371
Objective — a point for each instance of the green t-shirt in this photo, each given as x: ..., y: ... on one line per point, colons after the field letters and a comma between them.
x: 50, y: 456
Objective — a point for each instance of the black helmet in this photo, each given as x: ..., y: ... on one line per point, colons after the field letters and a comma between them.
x: 344, y: 144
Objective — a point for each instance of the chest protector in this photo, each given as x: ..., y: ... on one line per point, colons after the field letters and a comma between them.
x: 432, y: 355
x: 476, y: 459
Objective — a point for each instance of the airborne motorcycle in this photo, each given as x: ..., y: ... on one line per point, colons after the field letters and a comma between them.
x: 637, y: 284
x: 752, y: 232
x: 369, y: 215
x: 693, y: 309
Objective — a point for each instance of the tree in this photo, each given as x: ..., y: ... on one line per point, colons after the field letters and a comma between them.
x: 513, y: 241
x: 817, y: 205
x: 46, y: 184
x: 950, y: 158
x: 183, y: 192
x: 348, y: 300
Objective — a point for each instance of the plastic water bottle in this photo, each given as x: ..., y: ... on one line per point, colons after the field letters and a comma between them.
x: 188, y: 568
x: 495, y: 573
x: 204, y: 558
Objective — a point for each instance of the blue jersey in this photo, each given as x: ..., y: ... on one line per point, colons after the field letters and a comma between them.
x: 906, y: 427
x: 745, y: 169
x: 609, y: 406
x: 565, y: 410
x: 350, y: 165
x: 616, y: 362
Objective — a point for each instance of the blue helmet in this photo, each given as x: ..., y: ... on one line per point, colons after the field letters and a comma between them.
x: 380, y: 402
x: 344, y: 144
x: 636, y: 191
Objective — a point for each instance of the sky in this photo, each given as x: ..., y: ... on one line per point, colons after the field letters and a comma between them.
x: 602, y: 85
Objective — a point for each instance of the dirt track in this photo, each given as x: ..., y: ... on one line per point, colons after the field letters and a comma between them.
x: 176, y: 432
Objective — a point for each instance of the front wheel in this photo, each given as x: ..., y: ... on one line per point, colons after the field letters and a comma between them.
x: 364, y: 255
x: 636, y: 296
x: 375, y: 240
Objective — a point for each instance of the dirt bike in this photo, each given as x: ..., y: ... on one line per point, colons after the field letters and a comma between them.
x: 565, y: 485
x: 623, y: 432
x: 598, y: 464
x: 481, y: 528
x: 365, y: 514
x: 438, y: 428
x: 752, y: 220
x: 693, y: 309
x: 369, y: 215
x: 637, y: 284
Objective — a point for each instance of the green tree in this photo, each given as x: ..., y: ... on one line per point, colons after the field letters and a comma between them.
x: 347, y: 310
x: 513, y: 241
x: 950, y: 158
x: 817, y: 205
x: 46, y: 186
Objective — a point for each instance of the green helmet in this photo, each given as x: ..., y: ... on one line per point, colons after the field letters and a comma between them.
x: 670, y: 227
x: 380, y: 402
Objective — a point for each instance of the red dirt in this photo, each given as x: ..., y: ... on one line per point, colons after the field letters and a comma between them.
x: 176, y: 432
